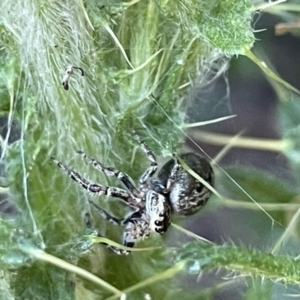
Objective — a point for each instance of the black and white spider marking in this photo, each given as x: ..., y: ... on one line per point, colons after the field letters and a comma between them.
x: 172, y: 191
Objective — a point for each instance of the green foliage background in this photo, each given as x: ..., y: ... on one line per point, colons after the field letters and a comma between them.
x: 141, y: 59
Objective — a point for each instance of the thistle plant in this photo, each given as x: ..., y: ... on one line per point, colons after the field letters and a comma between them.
x: 141, y: 61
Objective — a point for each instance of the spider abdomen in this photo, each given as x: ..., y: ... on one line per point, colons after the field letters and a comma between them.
x: 187, y: 195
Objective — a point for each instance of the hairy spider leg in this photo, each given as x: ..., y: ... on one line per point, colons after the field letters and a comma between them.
x: 92, y: 187
x: 131, y: 223
x: 153, y: 167
x: 172, y: 176
x: 110, y: 171
x: 112, y: 220
x: 104, y: 214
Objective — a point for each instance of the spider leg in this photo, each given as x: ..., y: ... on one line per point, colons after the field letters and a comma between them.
x: 130, y: 231
x: 111, y: 219
x: 129, y: 240
x: 172, y: 176
x: 87, y: 218
x: 153, y: 167
x: 106, y: 215
x: 92, y: 187
x: 136, y: 228
x: 109, y: 171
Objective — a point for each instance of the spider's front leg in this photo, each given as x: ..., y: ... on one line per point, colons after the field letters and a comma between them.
x: 92, y: 187
x: 105, y: 215
x: 114, y: 221
x: 153, y: 167
x: 136, y: 228
x: 176, y: 167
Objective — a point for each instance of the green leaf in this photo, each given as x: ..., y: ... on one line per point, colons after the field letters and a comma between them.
x: 263, y: 186
x: 289, y: 111
x: 248, y: 262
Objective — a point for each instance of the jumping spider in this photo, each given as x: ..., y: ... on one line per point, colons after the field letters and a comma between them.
x: 155, y: 199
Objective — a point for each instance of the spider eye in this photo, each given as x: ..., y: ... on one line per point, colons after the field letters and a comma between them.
x: 159, y: 230
x: 158, y: 223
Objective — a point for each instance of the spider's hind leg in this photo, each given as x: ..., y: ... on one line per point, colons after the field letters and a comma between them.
x: 110, y: 171
x: 92, y: 187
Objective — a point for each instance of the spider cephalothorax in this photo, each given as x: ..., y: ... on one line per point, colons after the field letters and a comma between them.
x: 173, y: 191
